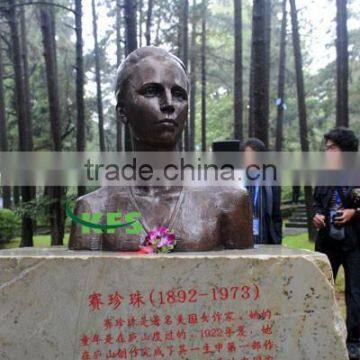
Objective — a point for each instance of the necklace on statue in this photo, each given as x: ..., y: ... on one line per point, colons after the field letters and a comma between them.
x: 160, y: 239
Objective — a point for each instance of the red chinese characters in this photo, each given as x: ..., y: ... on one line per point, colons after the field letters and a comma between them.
x: 165, y: 324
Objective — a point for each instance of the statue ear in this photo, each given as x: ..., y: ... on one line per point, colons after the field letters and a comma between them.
x: 121, y: 113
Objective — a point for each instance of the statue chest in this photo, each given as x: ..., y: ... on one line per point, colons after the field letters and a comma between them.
x: 195, y: 219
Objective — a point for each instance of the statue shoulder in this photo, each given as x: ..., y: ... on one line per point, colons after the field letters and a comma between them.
x: 235, y: 197
x: 236, y: 216
x: 230, y: 193
x: 95, y: 204
x: 98, y: 200
x: 92, y: 203
x: 225, y: 196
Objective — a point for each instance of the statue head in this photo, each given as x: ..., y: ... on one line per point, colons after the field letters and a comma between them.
x: 152, y: 97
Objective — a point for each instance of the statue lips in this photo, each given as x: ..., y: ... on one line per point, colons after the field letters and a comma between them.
x: 167, y: 122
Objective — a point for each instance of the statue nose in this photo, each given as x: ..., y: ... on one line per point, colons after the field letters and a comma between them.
x: 167, y: 108
x: 167, y: 103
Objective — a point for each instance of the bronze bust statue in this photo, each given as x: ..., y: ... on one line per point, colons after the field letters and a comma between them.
x: 152, y: 98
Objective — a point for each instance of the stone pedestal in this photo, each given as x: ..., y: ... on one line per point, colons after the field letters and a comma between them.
x: 266, y: 303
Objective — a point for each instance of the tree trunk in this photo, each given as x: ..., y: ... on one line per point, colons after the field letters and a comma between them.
x: 118, y: 58
x: 141, y: 4
x: 130, y: 26
x: 260, y: 71
x: 193, y: 80
x: 301, y: 109
x: 281, y: 83
x: 131, y: 45
x: 299, y: 78
x: 6, y: 193
x: 47, y: 21
x: 238, y: 74
x: 80, y: 120
x: 185, y: 57
x: 342, y: 65
x: 157, y: 32
x: 148, y: 22
x: 185, y: 33
x: 251, y: 127
x: 203, y: 76
x: 24, y: 129
x: 49, y: 47
x: 6, y: 190
x: 25, y: 141
x: 24, y: 55
x: 268, y: 10
x: 180, y: 7
x: 16, y: 194
x: 98, y: 80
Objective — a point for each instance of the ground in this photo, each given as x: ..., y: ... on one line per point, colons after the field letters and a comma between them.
x: 299, y: 241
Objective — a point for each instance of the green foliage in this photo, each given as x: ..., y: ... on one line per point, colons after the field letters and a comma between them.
x: 286, y: 193
x: 36, y: 209
x: 320, y: 86
x: 219, y: 118
x: 39, y: 208
x: 9, y: 225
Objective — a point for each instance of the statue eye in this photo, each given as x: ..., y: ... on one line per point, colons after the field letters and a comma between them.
x: 151, y: 90
x: 179, y: 93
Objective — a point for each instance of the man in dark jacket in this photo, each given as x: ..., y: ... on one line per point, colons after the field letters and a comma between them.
x: 267, y: 221
x: 337, y: 219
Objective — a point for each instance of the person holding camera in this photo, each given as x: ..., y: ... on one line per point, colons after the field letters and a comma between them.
x: 337, y: 219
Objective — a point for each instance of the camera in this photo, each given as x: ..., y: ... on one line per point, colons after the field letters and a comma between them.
x: 337, y: 232
x: 333, y: 215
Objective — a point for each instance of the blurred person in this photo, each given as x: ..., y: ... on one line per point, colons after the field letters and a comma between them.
x: 337, y: 219
x: 266, y: 200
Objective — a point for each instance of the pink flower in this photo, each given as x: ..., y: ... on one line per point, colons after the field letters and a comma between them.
x: 161, y: 239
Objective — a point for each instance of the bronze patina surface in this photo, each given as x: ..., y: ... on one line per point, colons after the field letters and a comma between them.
x: 152, y: 98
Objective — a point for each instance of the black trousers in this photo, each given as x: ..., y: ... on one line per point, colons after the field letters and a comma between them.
x: 350, y: 260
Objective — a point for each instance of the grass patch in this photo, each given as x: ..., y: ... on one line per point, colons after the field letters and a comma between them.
x: 39, y: 241
x: 300, y: 241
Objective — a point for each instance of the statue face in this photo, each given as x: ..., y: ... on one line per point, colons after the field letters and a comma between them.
x: 156, y: 101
